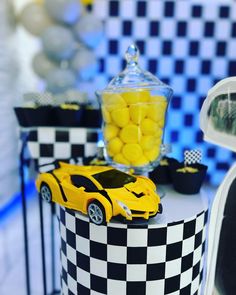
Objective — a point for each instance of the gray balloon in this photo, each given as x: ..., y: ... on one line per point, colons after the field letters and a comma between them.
x: 89, y: 30
x: 58, y: 42
x: 84, y: 64
x: 60, y: 80
x: 42, y: 65
x: 35, y: 19
x: 67, y: 11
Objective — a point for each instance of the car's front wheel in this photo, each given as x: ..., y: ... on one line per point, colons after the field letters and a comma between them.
x: 96, y: 213
x: 45, y: 193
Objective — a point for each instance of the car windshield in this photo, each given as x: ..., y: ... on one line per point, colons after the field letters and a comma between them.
x: 113, y: 178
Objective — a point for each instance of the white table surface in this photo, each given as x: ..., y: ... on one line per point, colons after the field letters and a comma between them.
x: 177, y: 206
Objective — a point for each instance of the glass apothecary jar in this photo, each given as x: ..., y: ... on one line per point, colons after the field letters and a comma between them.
x: 134, y: 108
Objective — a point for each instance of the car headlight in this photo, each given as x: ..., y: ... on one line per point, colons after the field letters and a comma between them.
x: 125, y: 208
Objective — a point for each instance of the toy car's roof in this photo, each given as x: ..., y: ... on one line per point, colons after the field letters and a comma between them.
x: 89, y: 170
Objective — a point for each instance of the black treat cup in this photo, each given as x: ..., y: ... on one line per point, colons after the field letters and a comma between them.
x: 48, y: 116
x: 162, y: 174
x: 31, y: 117
x: 188, y: 183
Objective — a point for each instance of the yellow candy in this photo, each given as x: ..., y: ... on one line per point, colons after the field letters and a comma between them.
x: 187, y: 170
x: 157, y: 141
x: 110, y: 131
x: 132, y: 151
x: 136, y: 96
x: 106, y: 115
x: 130, y: 134
x: 147, y: 142
x: 158, y: 134
x: 110, y: 153
x: 120, y: 116
x: 141, y: 161
x: 114, y: 145
x: 164, y: 162
x: 152, y: 154
x: 148, y: 127
x: 113, y: 101
x: 119, y: 158
x: 138, y: 112
x: 156, y: 113
x: 158, y: 98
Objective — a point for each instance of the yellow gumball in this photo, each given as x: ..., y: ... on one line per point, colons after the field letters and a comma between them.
x: 130, y: 134
x: 138, y: 112
x: 152, y: 154
x: 119, y: 158
x: 148, y: 127
x: 132, y: 151
x: 134, y: 97
x: 113, y: 101
x: 141, y: 161
x: 147, y: 142
x: 110, y: 131
x: 115, y: 145
x: 120, y: 116
x: 106, y: 115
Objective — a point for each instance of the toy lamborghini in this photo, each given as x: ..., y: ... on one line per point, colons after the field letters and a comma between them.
x: 99, y: 191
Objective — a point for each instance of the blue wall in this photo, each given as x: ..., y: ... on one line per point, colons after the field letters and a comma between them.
x: 188, y: 44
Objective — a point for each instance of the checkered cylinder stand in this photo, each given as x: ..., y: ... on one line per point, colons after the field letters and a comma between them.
x: 47, y: 144
x: 120, y: 259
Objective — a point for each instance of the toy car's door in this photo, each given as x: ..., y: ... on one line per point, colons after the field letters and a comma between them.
x: 78, y: 191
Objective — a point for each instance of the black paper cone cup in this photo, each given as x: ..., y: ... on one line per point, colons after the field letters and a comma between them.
x: 162, y: 174
x: 188, y: 183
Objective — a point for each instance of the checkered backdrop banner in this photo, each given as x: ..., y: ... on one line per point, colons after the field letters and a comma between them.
x: 190, y: 45
x: 120, y: 259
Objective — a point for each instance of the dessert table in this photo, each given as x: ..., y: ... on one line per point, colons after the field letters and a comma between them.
x: 164, y: 255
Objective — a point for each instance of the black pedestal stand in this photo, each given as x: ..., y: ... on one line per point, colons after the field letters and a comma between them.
x: 23, y: 164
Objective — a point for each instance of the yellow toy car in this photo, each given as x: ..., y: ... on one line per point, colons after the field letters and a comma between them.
x: 100, y: 191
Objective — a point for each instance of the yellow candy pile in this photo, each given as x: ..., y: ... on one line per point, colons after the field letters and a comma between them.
x: 187, y: 170
x: 133, y: 123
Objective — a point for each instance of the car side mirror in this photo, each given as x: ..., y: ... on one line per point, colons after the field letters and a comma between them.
x: 82, y: 188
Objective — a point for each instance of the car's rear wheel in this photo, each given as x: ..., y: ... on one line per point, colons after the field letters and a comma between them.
x: 45, y: 193
x: 96, y: 213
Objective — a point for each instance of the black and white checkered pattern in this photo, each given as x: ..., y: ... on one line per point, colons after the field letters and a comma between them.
x: 120, y: 259
x: 192, y: 157
x: 188, y: 44
x: 47, y: 144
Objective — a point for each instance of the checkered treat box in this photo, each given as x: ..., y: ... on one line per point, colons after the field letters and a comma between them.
x: 121, y: 259
x: 48, y: 144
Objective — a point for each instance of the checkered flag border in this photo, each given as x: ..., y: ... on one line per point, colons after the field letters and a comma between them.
x: 192, y: 157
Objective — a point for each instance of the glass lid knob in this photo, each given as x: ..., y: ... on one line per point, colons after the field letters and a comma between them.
x: 132, y: 55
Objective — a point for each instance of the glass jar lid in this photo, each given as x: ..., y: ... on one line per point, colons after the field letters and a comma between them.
x: 133, y: 77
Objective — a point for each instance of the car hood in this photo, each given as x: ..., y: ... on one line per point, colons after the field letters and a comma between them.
x: 137, y: 196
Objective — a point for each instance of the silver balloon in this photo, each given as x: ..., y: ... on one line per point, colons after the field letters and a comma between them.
x: 60, y: 80
x: 84, y: 64
x: 35, y: 18
x: 42, y: 65
x: 89, y: 30
x: 58, y: 42
x: 67, y: 11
